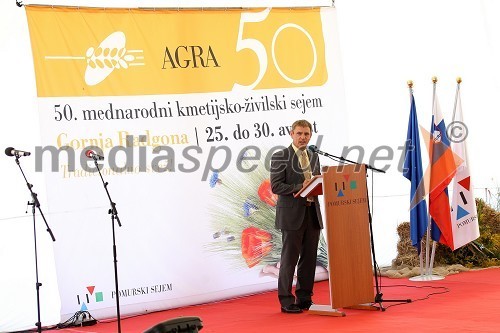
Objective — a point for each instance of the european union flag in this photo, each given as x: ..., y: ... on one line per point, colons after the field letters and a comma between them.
x: 413, y: 172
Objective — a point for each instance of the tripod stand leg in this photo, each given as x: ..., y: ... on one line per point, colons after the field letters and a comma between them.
x: 38, y: 324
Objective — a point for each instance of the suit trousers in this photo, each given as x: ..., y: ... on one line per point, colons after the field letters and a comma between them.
x: 299, y: 246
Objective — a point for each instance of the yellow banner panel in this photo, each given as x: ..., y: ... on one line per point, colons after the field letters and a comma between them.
x: 105, y: 52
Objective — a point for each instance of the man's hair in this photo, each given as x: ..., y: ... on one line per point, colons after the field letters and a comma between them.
x: 301, y: 123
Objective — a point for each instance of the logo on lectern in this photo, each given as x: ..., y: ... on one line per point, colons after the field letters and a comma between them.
x: 345, y: 185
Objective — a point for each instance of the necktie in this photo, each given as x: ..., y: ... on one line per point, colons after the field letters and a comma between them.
x: 304, y: 163
x: 306, y: 168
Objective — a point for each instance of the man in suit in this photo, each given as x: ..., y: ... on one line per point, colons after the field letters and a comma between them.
x: 299, y: 219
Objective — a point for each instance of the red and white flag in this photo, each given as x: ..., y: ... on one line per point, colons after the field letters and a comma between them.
x: 443, y: 166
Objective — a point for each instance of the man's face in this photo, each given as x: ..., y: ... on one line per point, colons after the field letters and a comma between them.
x: 301, y: 136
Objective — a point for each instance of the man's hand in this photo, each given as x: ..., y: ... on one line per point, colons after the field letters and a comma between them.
x: 304, y: 184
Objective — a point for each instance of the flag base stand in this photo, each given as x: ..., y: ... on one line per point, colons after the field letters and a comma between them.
x: 427, y: 278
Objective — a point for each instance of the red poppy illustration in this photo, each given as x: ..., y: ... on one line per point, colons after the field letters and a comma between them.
x: 266, y: 194
x: 255, y: 245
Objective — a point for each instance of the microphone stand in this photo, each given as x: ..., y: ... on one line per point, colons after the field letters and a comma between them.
x: 35, y: 203
x: 114, y: 216
x: 378, y: 296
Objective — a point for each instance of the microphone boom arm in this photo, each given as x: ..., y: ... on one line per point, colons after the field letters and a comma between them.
x: 341, y: 159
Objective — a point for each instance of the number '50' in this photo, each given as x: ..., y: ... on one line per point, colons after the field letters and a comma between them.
x: 260, y: 51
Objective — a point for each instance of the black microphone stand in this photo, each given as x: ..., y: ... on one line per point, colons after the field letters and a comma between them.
x: 378, y: 296
x: 35, y: 203
x: 114, y: 216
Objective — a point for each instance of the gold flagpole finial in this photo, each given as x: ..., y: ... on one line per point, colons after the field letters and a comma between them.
x: 434, y: 79
x: 459, y: 80
x: 409, y: 83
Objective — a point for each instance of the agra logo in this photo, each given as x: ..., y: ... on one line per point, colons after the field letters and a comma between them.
x: 101, y: 61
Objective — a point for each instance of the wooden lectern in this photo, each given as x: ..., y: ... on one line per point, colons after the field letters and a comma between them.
x: 348, y: 237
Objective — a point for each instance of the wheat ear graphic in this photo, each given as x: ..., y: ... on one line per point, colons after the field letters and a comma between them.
x: 108, y: 57
x: 102, y: 60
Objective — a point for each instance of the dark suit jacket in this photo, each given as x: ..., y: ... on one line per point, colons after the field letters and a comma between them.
x: 286, y: 179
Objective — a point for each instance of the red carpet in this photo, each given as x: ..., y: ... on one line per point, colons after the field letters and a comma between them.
x: 464, y: 302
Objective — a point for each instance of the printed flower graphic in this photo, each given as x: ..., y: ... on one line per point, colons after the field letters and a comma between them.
x: 249, y: 207
x: 255, y: 244
x: 214, y: 179
x: 266, y: 194
x: 242, y: 215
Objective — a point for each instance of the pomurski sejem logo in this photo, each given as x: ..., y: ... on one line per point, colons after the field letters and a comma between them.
x: 84, y: 299
x: 110, y: 55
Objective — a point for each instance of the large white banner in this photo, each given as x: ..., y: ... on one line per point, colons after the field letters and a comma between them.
x: 186, y: 108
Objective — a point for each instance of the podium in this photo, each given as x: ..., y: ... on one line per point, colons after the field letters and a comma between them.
x: 346, y: 210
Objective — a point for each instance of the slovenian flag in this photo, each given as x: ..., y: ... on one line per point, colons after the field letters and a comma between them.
x: 443, y: 169
x: 413, y: 171
x: 465, y: 225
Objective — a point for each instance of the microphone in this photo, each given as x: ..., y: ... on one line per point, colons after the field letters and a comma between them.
x: 14, y: 152
x: 92, y: 154
x: 314, y: 149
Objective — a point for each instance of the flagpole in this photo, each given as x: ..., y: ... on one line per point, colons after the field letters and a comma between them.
x: 421, y: 257
x: 459, y: 80
x: 428, y: 236
x: 430, y: 265
x: 429, y: 273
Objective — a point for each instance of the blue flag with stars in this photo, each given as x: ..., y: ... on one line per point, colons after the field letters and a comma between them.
x: 414, y: 173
